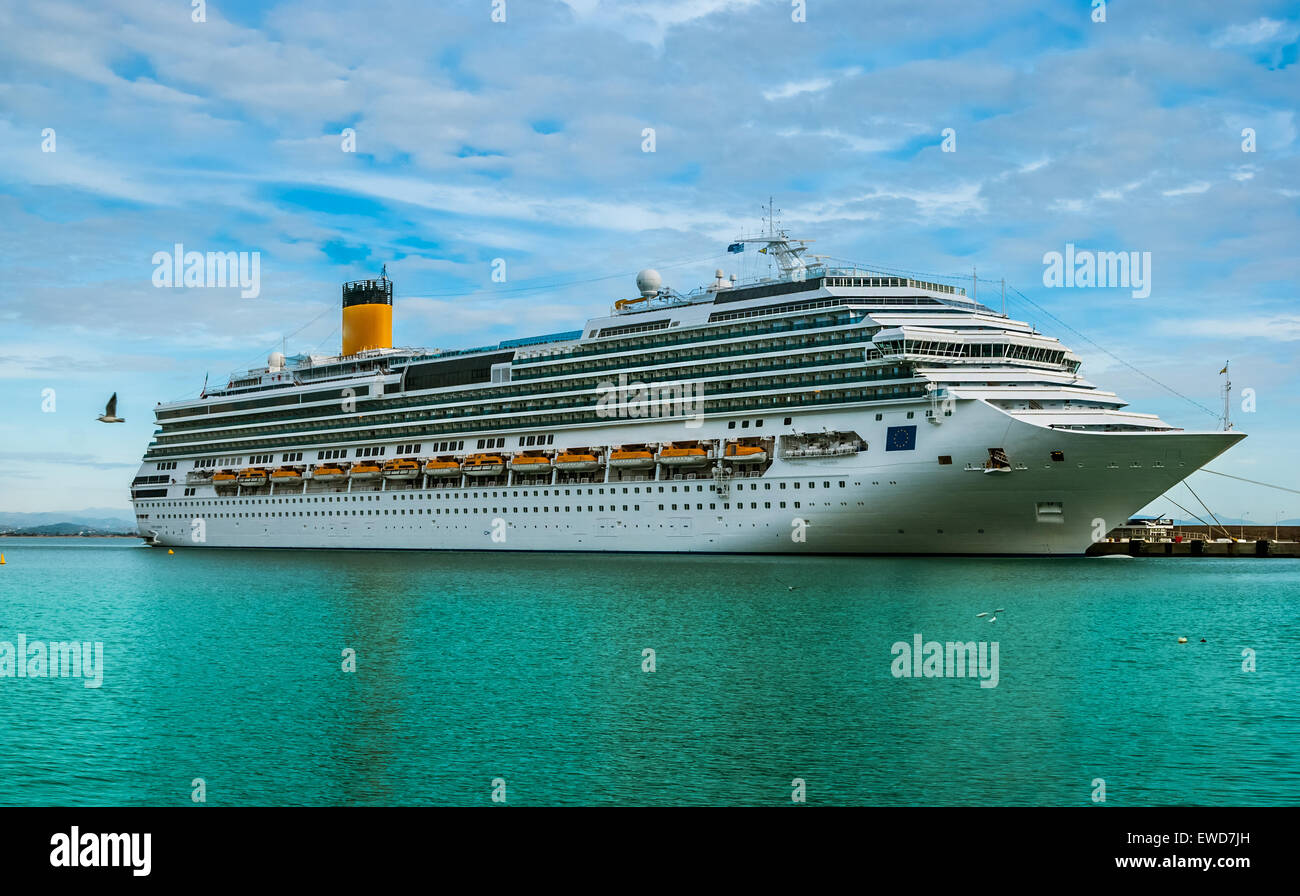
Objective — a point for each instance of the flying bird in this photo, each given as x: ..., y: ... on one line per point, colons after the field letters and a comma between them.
x: 110, y: 412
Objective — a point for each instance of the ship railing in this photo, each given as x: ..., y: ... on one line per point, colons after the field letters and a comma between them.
x: 828, y: 451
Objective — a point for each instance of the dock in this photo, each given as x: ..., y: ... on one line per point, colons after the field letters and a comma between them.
x: 1196, y: 548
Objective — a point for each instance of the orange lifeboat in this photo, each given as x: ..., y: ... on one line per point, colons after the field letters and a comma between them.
x: 364, y: 471
x: 745, y: 454
x: 442, y: 469
x: 683, y: 457
x: 252, y: 477
x: 401, y: 468
x: 328, y: 473
x: 631, y: 459
x: 530, y: 465
x: 484, y: 465
x: 577, y: 462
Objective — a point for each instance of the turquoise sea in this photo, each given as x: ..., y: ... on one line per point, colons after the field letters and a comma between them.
x: 228, y: 666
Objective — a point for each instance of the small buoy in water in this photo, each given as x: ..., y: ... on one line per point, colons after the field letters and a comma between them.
x: 170, y: 551
x: 2, y: 559
x: 1202, y: 640
x: 1182, y: 640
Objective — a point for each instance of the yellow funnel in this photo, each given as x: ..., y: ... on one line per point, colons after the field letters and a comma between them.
x: 367, y: 315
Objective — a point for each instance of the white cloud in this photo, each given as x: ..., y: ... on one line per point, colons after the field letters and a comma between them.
x: 1255, y: 32
x: 650, y: 20
x: 1199, y: 187
x: 794, y: 88
x: 1251, y: 328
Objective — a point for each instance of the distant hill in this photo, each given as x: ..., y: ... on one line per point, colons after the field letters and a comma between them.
x: 100, y: 517
x: 92, y: 521
x: 67, y: 529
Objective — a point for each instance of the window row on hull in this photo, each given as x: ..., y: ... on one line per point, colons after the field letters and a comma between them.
x: 540, y: 363
x: 200, y: 415
x: 693, y: 392
x: 813, y: 356
x: 786, y: 401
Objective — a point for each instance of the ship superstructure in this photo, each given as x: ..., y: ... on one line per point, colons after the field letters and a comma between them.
x: 818, y: 410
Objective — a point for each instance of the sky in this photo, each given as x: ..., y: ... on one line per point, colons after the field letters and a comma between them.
x: 1166, y: 128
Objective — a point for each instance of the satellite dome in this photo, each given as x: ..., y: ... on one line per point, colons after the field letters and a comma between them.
x: 649, y: 281
x: 275, y: 361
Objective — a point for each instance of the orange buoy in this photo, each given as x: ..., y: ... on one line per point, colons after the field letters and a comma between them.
x: 170, y: 551
x: 2, y: 559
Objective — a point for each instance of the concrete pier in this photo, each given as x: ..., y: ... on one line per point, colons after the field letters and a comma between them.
x: 1197, y: 548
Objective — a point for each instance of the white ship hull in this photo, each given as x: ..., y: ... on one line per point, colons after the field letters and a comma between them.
x: 876, y: 501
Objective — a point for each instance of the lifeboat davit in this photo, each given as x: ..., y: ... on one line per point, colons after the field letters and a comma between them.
x: 286, y: 475
x: 363, y: 472
x: 442, y: 469
x: 251, y: 477
x: 328, y: 474
x: 577, y: 463
x: 631, y: 460
x: 400, y: 468
x: 683, y: 457
x: 530, y: 465
x: 484, y: 465
x: 746, y: 454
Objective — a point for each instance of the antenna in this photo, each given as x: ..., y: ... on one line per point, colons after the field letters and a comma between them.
x: 772, y: 212
x: 383, y: 271
x: 1227, y: 397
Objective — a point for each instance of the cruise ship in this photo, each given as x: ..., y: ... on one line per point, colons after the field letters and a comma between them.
x: 818, y: 410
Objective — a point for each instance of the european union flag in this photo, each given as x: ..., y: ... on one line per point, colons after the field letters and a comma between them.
x: 900, y: 438
x: 736, y: 247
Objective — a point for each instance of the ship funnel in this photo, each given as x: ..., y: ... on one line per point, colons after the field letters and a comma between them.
x: 367, y: 315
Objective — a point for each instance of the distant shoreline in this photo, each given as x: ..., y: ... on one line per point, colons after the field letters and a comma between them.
x: 67, y: 535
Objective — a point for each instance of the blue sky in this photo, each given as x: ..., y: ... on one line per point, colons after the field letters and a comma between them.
x: 522, y: 140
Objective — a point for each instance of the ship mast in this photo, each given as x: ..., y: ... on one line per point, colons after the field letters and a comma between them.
x: 779, y: 244
x: 1227, y: 398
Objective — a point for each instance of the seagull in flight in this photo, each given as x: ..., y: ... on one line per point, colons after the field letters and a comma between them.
x: 110, y: 412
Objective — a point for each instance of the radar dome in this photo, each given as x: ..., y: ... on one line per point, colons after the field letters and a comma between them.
x: 649, y: 281
x: 275, y: 361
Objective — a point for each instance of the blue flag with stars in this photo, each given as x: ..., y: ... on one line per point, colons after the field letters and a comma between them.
x: 900, y: 438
